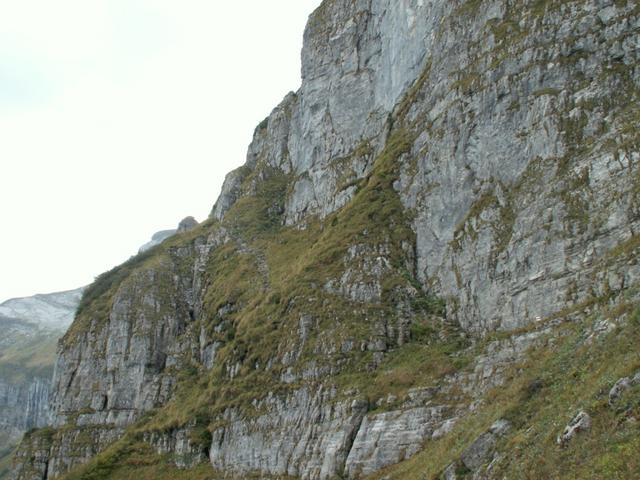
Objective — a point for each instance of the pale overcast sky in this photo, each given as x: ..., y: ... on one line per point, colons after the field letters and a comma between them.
x: 120, y: 117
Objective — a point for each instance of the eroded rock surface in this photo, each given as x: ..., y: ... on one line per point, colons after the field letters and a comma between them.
x: 495, y: 142
x: 579, y: 424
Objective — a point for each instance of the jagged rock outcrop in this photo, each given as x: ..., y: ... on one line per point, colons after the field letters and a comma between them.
x: 479, y: 453
x: 621, y: 386
x: 581, y: 423
x: 448, y: 171
x: 186, y: 224
x: 24, y: 405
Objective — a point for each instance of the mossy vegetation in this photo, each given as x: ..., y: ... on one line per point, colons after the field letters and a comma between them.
x: 273, y: 291
x: 560, y: 376
x: 546, y: 91
x: 29, y: 357
x: 121, y: 459
x: 97, y: 299
x: 265, y: 278
x: 319, y: 19
x: 468, y: 8
x: 472, y: 222
x: 132, y: 458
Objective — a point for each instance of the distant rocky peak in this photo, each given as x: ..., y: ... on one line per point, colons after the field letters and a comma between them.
x: 49, y: 311
x: 156, y: 239
x: 186, y: 224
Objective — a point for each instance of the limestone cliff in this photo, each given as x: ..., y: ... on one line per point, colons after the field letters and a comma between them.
x: 30, y: 329
x: 428, y: 260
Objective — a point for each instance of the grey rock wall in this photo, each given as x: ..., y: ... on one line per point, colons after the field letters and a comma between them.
x: 128, y: 357
x: 24, y: 406
x: 517, y: 181
x: 306, y: 435
x: 510, y: 212
x: 358, y: 59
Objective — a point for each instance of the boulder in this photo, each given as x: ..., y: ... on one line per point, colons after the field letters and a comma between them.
x: 580, y: 423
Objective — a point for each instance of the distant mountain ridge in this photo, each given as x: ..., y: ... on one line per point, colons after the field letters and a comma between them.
x: 185, y: 225
x: 156, y: 239
x: 48, y: 311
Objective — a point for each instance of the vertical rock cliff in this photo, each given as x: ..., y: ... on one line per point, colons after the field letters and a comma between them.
x: 30, y: 328
x: 428, y: 259
x: 25, y: 406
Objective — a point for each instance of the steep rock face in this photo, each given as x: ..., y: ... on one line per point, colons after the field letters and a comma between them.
x: 128, y: 357
x: 30, y: 328
x: 447, y: 169
x: 317, y: 446
x: 521, y: 179
x: 109, y: 373
x: 506, y: 93
x: 358, y: 59
x: 24, y: 406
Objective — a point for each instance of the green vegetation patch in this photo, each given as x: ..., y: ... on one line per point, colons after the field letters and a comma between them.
x: 541, y: 395
x: 28, y: 357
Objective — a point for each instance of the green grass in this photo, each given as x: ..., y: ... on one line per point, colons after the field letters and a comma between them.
x: 541, y: 395
x: 262, y: 317
x: 29, y: 357
x: 129, y: 459
x: 267, y: 276
x: 468, y: 8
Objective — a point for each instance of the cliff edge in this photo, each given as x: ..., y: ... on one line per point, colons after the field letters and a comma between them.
x: 428, y: 261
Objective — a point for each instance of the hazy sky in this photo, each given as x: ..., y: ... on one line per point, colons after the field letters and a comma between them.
x: 120, y: 117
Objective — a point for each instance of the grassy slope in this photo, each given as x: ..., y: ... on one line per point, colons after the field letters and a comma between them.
x: 266, y: 318
x: 28, y: 357
x: 559, y: 378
